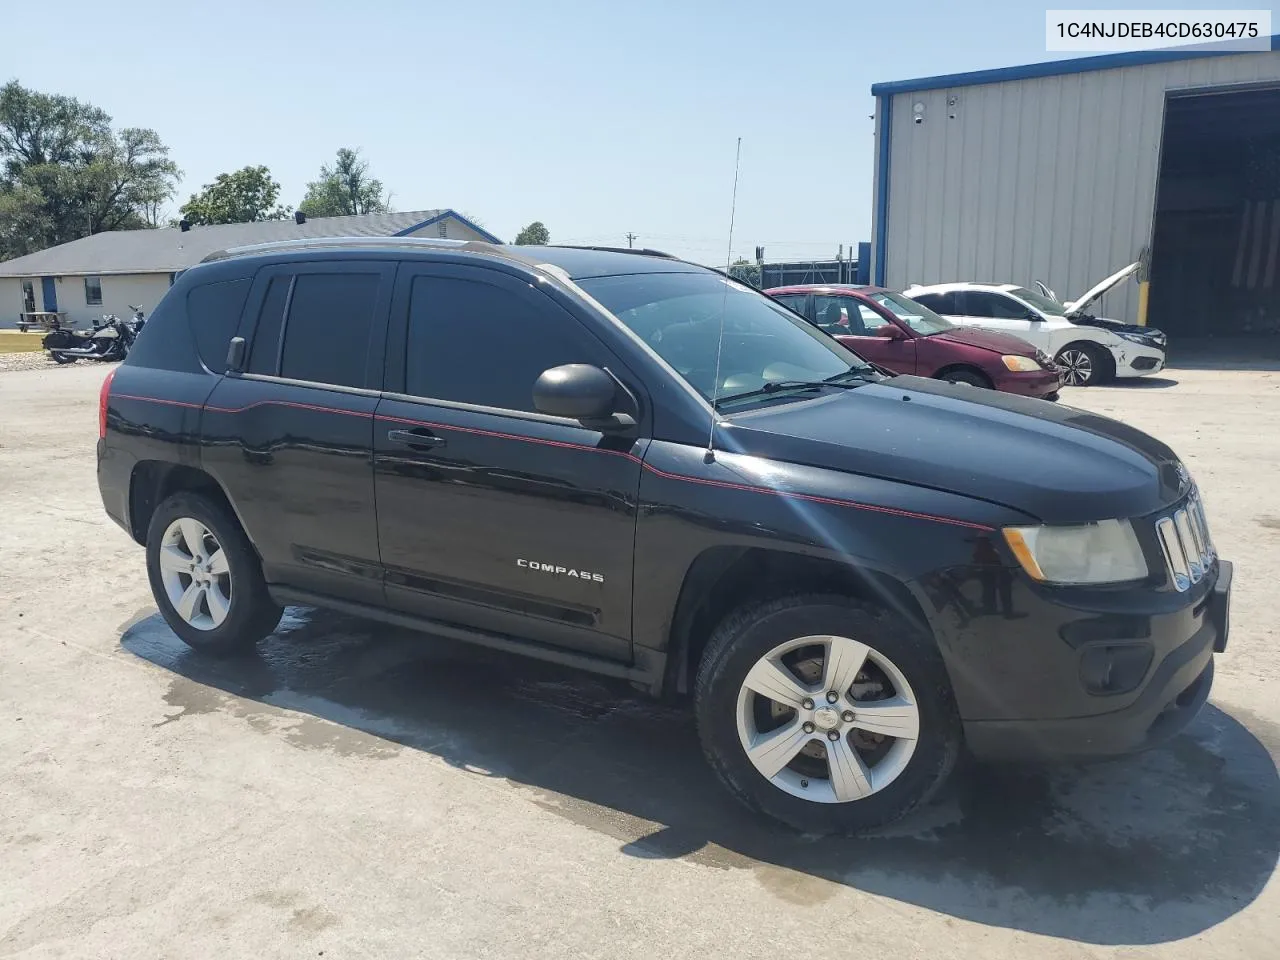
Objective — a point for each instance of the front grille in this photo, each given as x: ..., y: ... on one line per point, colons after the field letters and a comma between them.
x: 1184, y: 539
x: 1145, y: 363
x: 1042, y: 358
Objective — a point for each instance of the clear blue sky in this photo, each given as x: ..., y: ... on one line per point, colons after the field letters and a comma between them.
x: 597, y: 118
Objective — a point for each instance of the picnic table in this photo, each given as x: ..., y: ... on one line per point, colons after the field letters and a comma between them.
x: 44, y: 319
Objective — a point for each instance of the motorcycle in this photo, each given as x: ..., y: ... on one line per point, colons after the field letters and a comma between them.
x: 107, y: 341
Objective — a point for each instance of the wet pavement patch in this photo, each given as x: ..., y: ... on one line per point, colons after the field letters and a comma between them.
x: 1147, y: 849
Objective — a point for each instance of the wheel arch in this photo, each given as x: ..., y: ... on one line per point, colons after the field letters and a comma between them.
x: 722, y: 578
x: 154, y: 481
x: 942, y: 372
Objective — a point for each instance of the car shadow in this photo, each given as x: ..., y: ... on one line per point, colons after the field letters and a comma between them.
x: 1142, y: 383
x: 1144, y: 850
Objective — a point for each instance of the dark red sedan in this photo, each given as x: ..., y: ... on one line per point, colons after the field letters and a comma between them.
x: 901, y: 335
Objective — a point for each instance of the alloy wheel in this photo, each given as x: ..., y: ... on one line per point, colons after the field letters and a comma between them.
x: 827, y: 719
x: 1077, y: 367
x: 196, y: 573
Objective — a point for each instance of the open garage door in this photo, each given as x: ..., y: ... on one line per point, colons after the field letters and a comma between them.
x: 1215, y: 268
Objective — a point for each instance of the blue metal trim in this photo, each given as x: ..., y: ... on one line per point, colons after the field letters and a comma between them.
x: 1053, y: 68
x: 864, y: 264
x: 449, y: 213
x: 885, y: 109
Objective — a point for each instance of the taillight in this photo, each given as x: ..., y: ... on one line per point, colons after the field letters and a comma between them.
x: 103, y: 395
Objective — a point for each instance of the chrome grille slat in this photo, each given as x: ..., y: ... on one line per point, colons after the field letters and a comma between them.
x: 1185, y: 542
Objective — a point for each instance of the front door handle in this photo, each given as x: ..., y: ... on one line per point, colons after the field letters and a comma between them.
x: 417, y: 437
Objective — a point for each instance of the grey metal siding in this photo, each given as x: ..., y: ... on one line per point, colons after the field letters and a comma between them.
x: 1051, y: 178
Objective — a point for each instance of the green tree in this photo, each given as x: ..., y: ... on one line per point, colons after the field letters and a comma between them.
x: 534, y: 234
x: 745, y: 271
x: 345, y: 189
x: 246, y: 196
x: 65, y: 173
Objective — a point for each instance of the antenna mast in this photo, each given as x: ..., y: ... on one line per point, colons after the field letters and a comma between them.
x: 710, y: 455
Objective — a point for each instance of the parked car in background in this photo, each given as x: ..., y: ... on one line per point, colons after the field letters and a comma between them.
x: 1090, y: 350
x: 903, y: 336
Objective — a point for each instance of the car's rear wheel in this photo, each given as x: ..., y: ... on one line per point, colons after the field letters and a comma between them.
x: 827, y: 713
x: 205, y: 576
x: 1084, y: 365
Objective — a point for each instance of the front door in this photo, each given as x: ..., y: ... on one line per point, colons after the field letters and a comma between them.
x: 860, y: 327
x: 50, y: 291
x: 996, y: 311
x: 491, y: 515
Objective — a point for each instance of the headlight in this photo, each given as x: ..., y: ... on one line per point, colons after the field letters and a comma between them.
x: 1020, y: 364
x: 1143, y: 338
x: 1102, y: 552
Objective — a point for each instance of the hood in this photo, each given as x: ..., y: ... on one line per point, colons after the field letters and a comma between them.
x: 988, y: 339
x: 1052, y: 462
x: 1075, y: 307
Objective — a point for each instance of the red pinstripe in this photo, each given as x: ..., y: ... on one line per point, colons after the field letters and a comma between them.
x: 666, y: 475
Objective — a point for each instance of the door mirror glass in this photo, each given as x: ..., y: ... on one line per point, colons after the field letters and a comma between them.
x: 577, y: 391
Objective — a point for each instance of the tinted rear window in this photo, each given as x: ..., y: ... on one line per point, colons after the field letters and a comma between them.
x: 326, y: 338
x: 213, y: 310
x: 266, y: 338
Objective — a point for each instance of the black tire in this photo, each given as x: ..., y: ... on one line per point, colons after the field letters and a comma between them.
x: 59, y: 358
x: 971, y: 377
x: 755, y: 629
x: 252, y: 613
x: 1101, y: 365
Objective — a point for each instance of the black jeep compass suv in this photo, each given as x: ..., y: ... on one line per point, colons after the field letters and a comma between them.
x: 634, y: 465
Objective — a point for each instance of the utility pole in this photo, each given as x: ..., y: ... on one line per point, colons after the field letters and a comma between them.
x: 631, y: 239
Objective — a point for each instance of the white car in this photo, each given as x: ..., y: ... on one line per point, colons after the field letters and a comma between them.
x: 1089, y: 350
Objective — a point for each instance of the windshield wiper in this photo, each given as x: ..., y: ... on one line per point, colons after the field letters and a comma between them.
x: 843, y: 381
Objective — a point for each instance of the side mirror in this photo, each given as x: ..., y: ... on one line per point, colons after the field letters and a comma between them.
x: 890, y: 332
x: 579, y: 391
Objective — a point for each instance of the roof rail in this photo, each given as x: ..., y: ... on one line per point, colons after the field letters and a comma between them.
x: 308, y: 243
x: 639, y: 251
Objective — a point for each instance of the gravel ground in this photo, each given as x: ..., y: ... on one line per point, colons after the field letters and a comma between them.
x: 32, y: 360
x: 358, y: 791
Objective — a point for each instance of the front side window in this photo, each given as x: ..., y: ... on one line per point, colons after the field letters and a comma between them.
x: 474, y: 342
x: 687, y: 317
x: 993, y: 305
x: 93, y: 291
x: 914, y: 314
x: 1042, y: 303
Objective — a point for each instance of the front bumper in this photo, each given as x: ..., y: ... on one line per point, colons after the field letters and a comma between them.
x: 1040, y: 384
x: 1168, y: 700
x: 1135, y: 360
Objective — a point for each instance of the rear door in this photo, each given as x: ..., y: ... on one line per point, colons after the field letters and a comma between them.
x: 291, y: 438
x: 859, y: 326
x: 490, y: 514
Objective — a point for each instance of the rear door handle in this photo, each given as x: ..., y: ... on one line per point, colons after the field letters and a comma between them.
x: 417, y: 437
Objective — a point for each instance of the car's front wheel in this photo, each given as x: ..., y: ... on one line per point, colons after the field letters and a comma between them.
x: 1084, y: 365
x: 206, y: 577
x: 825, y: 712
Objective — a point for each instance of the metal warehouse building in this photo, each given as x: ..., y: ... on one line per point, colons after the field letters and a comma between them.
x: 1064, y: 172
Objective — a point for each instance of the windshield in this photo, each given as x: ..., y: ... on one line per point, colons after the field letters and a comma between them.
x: 679, y: 316
x: 1040, y: 302
x: 915, y: 315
